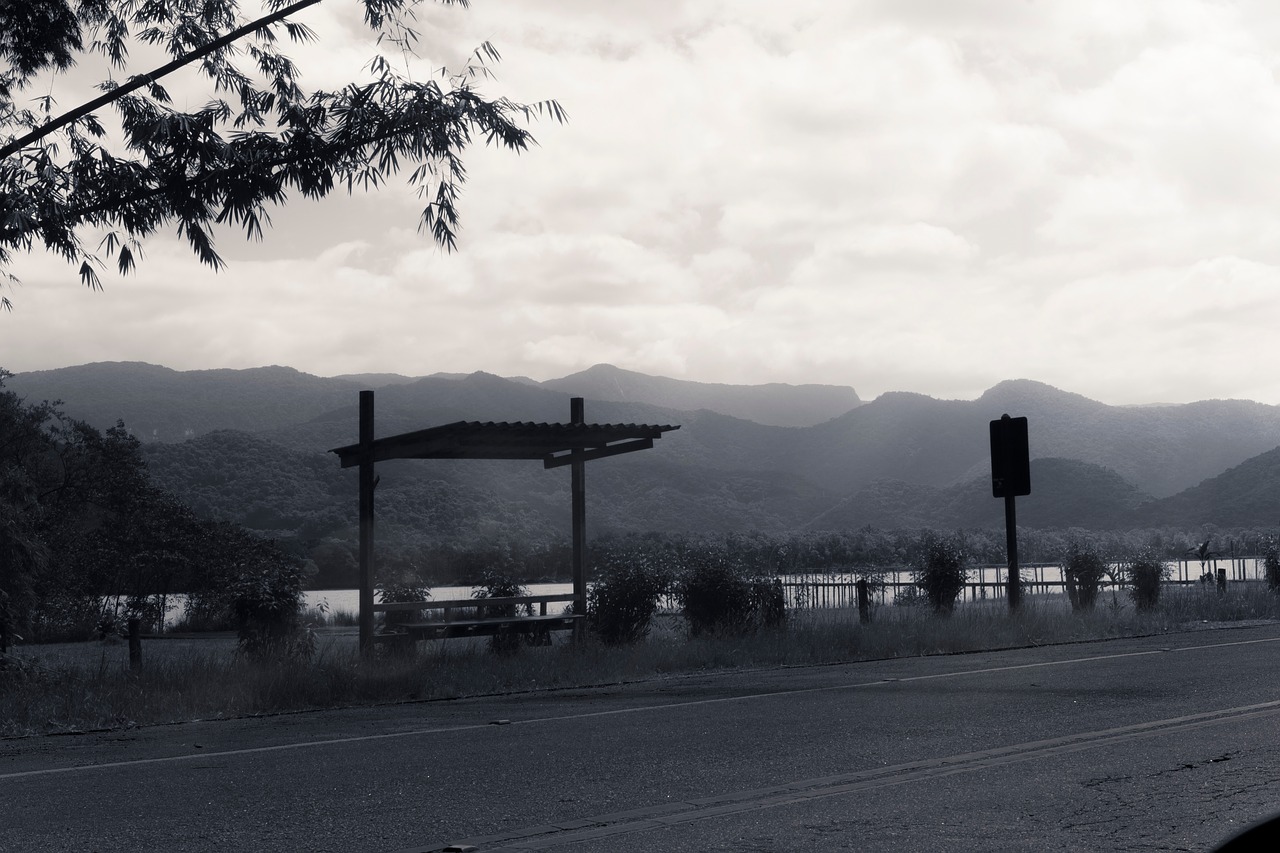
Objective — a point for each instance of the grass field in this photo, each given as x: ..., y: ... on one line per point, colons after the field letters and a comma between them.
x: 87, y: 686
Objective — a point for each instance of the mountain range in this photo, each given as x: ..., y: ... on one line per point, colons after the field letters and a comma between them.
x: 252, y: 445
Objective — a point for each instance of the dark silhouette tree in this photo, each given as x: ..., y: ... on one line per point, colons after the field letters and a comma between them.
x: 259, y: 137
x: 27, y: 475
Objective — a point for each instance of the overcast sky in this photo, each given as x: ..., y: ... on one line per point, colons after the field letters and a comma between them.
x: 914, y: 195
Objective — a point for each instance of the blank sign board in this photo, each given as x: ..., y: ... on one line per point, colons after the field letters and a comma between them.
x: 1010, y: 459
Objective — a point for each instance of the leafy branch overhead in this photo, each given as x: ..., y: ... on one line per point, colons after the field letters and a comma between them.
x: 69, y: 179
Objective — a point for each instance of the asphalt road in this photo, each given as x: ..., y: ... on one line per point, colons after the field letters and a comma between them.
x: 1166, y: 743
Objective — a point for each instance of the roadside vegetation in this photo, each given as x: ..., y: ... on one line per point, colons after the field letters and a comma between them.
x: 89, y: 685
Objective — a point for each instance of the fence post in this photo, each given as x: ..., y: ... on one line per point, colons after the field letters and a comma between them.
x: 135, y: 644
x: 1222, y: 580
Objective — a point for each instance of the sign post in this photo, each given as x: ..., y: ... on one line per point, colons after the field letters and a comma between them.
x: 1010, y: 476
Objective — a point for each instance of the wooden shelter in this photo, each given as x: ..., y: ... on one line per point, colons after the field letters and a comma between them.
x: 556, y: 444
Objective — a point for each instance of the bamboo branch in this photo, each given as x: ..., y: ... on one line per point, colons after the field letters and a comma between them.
x: 145, y: 79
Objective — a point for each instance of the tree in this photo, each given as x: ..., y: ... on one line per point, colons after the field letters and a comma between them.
x: 259, y: 136
x: 939, y: 569
x: 1202, y: 553
x: 1083, y: 568
x: 27, y: 475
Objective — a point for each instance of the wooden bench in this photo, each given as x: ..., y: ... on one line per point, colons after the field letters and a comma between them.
x: 451, y: 624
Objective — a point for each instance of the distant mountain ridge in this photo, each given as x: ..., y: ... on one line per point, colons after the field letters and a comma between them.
x: 917, y: 439
x: 268, y: 397
x: 161, y: 404
x: 773, y: 404
x: 902, y: 456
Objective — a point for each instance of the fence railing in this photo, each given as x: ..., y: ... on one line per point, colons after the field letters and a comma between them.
x: 825, y: 590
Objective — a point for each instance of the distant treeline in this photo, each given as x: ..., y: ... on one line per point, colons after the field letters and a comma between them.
x: 866, y: 551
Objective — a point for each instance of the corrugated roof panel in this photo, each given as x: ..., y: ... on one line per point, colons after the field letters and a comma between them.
x: 499, y: 440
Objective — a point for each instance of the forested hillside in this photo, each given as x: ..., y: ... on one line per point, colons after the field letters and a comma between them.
x: 899, y: 460
x: 1064, y: 493
x: 291, y: 494
x: 1248, y: 494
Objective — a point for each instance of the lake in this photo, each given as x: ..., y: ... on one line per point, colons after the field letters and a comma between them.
x: 349, y: 599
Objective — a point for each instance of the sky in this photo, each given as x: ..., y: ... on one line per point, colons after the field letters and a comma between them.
x: 906, y: 195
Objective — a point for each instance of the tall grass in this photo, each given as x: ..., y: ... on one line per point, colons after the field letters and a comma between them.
x: 88, y: 686
x: 329, y: 618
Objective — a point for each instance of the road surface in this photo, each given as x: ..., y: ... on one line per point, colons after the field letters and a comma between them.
x: 1160, y: 743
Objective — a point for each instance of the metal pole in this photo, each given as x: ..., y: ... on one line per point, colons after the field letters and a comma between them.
x: 578, y: 487
x: 366, y: 524
x: 1011, y: 538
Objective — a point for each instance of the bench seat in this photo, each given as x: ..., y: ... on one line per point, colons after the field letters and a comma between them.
x: 438, y: 630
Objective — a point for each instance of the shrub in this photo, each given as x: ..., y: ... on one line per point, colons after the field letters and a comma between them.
x: 909, y: 596
x: 717, y: 594
x: 65, y: 616
x: 401, y: 591
x: 265, y: 598
x: 769, y: 601
x: 1146, y: 571
x: 1083, y: 569
x: 201, y: 613
x: 939, y: 570
x: 499, y: 585
x: 623, y: 599
x: 1271, y: 564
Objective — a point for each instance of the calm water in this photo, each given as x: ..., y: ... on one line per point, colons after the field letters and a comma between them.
x: 349, y: 599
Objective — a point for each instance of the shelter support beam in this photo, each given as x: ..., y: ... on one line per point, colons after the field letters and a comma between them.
x: 576, y: 456
x: 366, y: 524
x: 578, y: 466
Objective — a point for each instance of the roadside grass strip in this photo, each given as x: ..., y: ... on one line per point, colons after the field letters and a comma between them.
x: 666, y: 706
x: 78, y: 687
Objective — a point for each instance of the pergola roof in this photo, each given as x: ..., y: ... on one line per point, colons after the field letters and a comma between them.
x: 502, y: 440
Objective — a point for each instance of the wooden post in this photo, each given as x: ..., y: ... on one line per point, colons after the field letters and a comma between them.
x: 366, y: 524
x: 864, y: 602
x: 578, y: 487
x: 135, y: 644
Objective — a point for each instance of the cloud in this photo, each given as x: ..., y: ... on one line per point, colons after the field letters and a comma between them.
x: 908, y: 195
